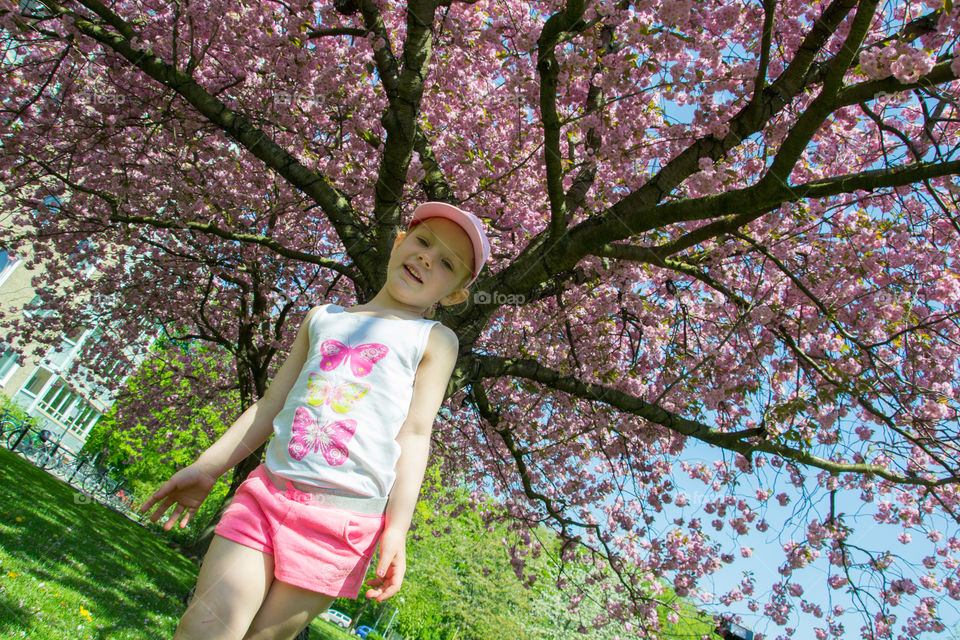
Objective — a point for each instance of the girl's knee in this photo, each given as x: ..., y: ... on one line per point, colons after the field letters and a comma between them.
x: 285, y: 611
x: 230, y: 589
x: 216, y: 616
x: 199, y: 622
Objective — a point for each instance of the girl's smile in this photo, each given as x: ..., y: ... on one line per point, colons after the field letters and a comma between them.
x: 412, y: 271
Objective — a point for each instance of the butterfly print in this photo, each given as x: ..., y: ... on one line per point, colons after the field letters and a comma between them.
x: 330, y: 439
x: 341, y: 397
x: 362, y: 357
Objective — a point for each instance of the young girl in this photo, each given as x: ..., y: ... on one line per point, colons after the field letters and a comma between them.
x: 351, y: 410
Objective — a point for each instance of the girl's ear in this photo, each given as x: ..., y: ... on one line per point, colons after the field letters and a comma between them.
x: 455, y: 297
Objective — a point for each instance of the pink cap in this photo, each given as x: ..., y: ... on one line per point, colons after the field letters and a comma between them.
x: 467, y: 221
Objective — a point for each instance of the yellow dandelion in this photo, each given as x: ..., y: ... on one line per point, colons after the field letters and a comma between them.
x: 85, y: 614
x: 12, y: 574
x: 18, y: 519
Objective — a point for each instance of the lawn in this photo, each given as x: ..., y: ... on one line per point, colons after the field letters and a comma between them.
x: 70, y: 568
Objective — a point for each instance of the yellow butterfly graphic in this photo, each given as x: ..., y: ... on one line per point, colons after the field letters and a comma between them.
x: 341, y: 397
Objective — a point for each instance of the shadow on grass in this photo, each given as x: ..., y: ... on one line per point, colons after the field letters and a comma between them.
x: 73, y: 563
x: 14, y: 615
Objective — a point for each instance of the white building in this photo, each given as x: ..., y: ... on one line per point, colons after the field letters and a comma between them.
x: 43, y: 386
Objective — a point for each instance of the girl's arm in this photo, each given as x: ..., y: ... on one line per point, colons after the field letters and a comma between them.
x: 429, y: 387
x: 189, y: 487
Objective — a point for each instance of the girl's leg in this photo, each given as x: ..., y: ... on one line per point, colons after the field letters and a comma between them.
x: 232, y: 584
x: 285, y: 611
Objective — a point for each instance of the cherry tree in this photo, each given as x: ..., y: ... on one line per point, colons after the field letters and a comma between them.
x: 715, y: 225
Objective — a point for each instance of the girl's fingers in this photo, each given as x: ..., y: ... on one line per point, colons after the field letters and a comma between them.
x: 158, y: 495
x: 376, y: 588
x: 386, y: 561
x: 161, y: 509
x: 152, y: 500
x: 186, y: 518
x: 173, y: 517
x: 388, y: 580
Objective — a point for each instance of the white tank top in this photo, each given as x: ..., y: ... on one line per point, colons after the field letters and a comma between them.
x: 338, y: 427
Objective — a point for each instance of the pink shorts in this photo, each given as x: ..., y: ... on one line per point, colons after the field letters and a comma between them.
x: 315, y: 547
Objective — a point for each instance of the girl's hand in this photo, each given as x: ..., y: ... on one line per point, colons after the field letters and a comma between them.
x: 391, y: 566
x: 187, y: 489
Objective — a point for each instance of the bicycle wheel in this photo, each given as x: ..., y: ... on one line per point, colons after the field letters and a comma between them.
x: 16, y: 437
x: 31, y: 448
x: 49, y: 460
x: 91, y: 482
x: 112, y: 486
x: 8, y: 425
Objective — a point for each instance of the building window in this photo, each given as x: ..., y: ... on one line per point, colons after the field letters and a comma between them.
x: 35, y: 384
x: 34, y: 309
x: 8, y: 364
x: 68, y: 407
x: 8, y: 263
x: 58, y: 399
x: 81, y: 417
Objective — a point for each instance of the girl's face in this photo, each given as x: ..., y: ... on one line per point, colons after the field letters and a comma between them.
x: 429, y: 264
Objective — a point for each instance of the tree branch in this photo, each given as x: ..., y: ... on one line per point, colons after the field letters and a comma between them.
x: 541, y: 259
x: 813, y: 116
x: 752, y: 202
x: 117, y: 215
x: 766, y: 39
x: 568, y: 20
x: 494, y: 366
x: 404, y: 93
x: 336, y: 31
x: 334, y: 204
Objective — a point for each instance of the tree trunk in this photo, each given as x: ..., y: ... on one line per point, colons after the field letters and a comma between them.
x: 251, y: 388
x: 356, y: 617
x: 198, y: 548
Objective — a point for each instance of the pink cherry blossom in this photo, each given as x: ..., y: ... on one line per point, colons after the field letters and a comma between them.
x: 703, y: 240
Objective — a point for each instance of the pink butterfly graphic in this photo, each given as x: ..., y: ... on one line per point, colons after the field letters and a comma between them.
x: 362, y: 357
x: 330, y: 439
x: 341, y: 397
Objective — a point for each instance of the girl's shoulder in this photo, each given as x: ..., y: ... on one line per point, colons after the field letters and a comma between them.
x: 321, y: 309
x: 314, y: 315
x: 442, y: 342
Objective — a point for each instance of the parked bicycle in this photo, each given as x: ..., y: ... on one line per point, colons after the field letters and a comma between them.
x: 9, y: 424
x: 32, y: 445
x: 103, y: 482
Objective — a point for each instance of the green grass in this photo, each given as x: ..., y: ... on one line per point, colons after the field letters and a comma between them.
x: 71, y: 568
x: 323, y: 630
